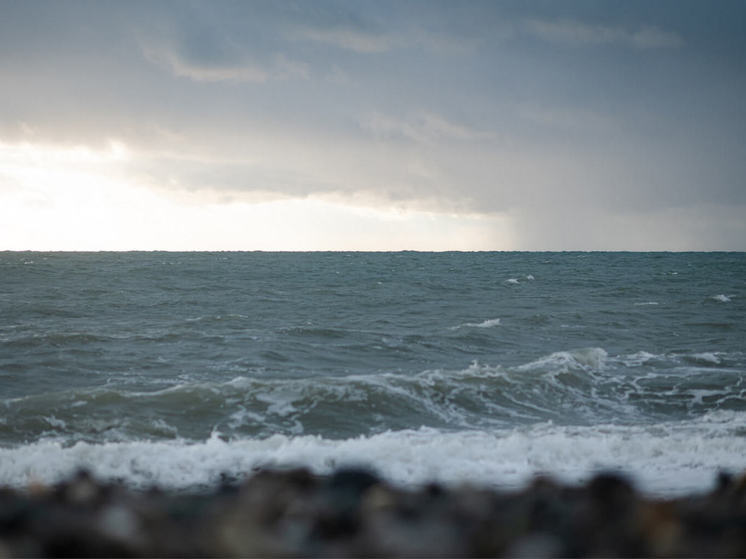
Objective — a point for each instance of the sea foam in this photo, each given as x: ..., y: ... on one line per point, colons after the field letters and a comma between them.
x: 667, y: 458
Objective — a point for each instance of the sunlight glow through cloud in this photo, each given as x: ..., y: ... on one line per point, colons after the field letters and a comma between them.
x: 78, y: 198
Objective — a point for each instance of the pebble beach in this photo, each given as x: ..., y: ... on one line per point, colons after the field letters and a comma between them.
x: 356, y: 513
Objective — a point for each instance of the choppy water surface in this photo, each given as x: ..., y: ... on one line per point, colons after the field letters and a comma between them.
x: 177, y: 367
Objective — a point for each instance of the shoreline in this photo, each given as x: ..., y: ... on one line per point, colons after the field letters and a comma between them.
x: 355, y: 513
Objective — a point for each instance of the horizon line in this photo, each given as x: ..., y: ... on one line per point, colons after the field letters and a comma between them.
x: 189, y: 251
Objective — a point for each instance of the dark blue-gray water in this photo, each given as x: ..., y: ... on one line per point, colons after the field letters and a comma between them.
x: 177, y: 367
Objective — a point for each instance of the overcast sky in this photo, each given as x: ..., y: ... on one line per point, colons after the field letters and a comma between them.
x: 373, y: 125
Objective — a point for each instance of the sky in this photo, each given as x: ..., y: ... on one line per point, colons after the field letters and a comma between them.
x: 387, y: 125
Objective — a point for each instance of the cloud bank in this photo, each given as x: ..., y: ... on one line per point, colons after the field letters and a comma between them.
x: 573, y: 125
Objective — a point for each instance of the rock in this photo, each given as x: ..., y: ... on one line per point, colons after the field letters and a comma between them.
x: 355, y: 513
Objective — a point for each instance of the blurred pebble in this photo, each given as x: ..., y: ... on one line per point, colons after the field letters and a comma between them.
x: 355, y: 513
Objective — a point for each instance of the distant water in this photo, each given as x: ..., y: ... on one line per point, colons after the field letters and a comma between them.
x: 175, y: 368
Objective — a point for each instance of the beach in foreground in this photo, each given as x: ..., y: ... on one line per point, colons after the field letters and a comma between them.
x: 355, y: 513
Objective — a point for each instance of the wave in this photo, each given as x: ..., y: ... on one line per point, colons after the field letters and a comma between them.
x: 593, y: 358
x: 83, y: 341
x: 584, y: 386
x: 557, y: 387
x: 664, y: 458
x: 53, y: 339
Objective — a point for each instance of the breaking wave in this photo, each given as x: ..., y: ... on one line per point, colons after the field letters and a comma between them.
x: 665, y: 458
x: 583, y: 386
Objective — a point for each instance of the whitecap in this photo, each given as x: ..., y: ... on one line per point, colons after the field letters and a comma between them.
x: 55, y: 422
x: 511, y: 281
x: 592, y: 358
x: 280, y: 400
x: 484, y: 324
x: 705, y: 357
x: 721, y: 298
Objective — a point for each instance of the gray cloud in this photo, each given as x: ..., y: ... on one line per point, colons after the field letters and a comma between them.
x: 357, y: 40
x: 240, y: 69
x: 426, y: 128
x: 580, y: 33
x: 439, y: 106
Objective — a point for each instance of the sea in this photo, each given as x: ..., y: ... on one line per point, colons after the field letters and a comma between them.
x: 184, y: 370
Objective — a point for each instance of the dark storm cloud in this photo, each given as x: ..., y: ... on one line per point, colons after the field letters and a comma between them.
x: 534, y: 109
